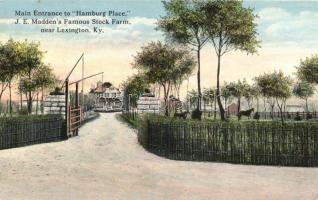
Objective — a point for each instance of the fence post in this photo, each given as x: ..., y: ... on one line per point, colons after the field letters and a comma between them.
x: 77, y: 107
x: 66, y: 111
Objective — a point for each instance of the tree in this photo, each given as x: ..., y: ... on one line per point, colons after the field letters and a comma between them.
x: 44, y: 78
x: 237, y: 90
x: 256, y: 94
x: 226, y: 94
x: 184, y: 24
x: 31, y: 62
x: 307, y: 72
x: 160, y: 63
x: 182, y: 72
x: 277, y: 88
x: 208, y: 97
x: 308, y: 69
x: 192, y: 97
x: 303, y: 90
x: 249, y: 94
x: 3, y: 72
x: 229, y: 26
x: 134, y: 86
x: 10, y: 65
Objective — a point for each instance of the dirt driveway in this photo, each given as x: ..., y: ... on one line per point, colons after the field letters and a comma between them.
x: 106, y: 162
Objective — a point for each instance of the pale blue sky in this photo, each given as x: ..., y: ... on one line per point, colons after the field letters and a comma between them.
x: 284, y: 20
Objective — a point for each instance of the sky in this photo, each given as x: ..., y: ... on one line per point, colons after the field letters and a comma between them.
x: 288, y: 31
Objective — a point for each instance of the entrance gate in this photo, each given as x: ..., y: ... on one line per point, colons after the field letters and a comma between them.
x: 74, y: 113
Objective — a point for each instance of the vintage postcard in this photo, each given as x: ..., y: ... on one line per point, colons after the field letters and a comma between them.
x: 158, y: 99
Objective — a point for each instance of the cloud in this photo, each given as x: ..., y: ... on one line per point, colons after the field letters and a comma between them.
x: 281, y: 28
x: 272, y: 14
x: 143, y: 21
x: 7, y: 21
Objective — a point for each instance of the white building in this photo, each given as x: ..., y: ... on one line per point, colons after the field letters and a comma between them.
x: 295, y: 108
x: 107, y: 97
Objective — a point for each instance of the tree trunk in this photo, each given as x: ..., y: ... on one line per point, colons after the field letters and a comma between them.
x: 21, y: 100
x: 218, y: 97
x: 272, y: 110
x: 280, y: 107
x: 306, y: 105
x: 29, y: 102
x: 10, y: 98
x: 225, y: 105
x: 166, y: 91
x: 238, y: 108
x: 199, y: 79
x: 42, y: 100
x: 188, y: 96
x: 37, y: 103
x: 3, y: 88
x: 214, y: 106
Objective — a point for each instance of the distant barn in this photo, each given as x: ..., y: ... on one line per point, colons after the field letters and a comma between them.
x: 232, y: 109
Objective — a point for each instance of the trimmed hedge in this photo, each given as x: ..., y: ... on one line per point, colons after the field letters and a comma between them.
x: 26, y: 130
x: 247, y: 142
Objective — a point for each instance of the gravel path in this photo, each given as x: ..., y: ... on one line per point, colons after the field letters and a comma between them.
x: 106, y: 162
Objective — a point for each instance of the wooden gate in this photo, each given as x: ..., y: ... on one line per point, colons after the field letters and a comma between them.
x: 73, y: 112
x: 75, y: 121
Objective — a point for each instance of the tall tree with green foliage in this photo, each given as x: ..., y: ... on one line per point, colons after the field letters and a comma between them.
x: 44, y: 78
x: 160, y: 63
x: 182, y: 72
x: 134, y: 86
x: 4, y: 75
x: 10, y: 66
x: 183, y: 23
x: 308, y: 69
x: 250, y: 93
x: 31, y: 62
x: 229, y: 26
x: 303, y: 90
x: 277, y: 88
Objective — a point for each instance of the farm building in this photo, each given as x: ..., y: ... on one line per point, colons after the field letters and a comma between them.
x: 107, y: 97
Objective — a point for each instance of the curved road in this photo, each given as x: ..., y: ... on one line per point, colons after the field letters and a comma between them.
x: 106, y: 162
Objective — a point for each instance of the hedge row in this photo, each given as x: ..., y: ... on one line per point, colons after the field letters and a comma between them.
x: 248, y: 142
x: 26, y: 130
